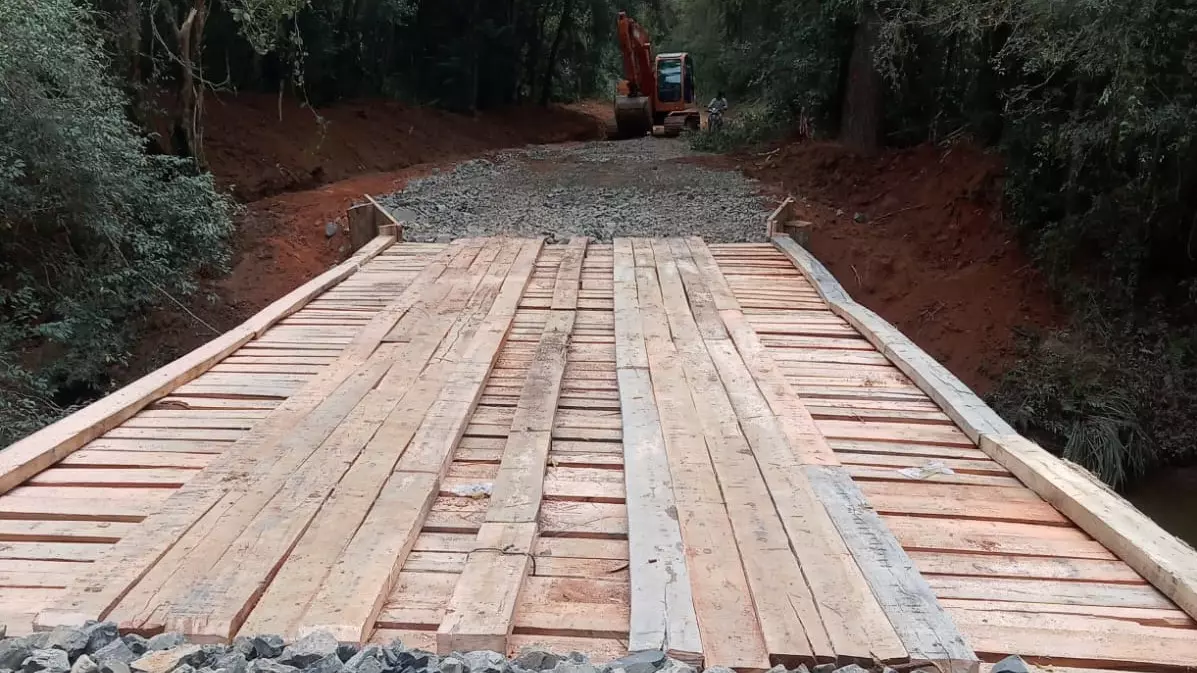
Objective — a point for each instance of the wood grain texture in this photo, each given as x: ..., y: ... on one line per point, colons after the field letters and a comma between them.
x: 926, y: 630
x: 1166, y: 561
x: 30, y: 455
x: 662, y: 607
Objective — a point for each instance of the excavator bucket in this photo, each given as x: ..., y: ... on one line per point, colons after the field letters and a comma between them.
x: 633, y: 116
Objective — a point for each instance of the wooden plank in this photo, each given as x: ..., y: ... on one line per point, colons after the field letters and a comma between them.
x: 1162, y: 558
x: 409, y: 393
x: 1170, y: 617
x: 45, y: 447
x: 372, y: 559
x: 662, y: 613
x: 42, y: 530
x: 569, y: 275
x: 480, y: 615
x: 143, y: 477
x: 998, y: 537
x: 275, y: 448
x: 837, y: 611
x: 1030, y: 590
x: 1077, y: 638
x: 727, y: 621
x: 925, y: 629
x: 998, y: 564
x: 90, y: 458
x: 785, y: 608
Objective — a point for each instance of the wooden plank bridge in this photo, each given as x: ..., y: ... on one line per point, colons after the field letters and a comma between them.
x: 498, y: 443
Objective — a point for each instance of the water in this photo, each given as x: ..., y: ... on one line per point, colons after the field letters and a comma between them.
x: 1170, y: 498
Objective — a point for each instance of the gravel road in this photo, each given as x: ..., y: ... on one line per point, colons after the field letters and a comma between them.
x: 600, y: 189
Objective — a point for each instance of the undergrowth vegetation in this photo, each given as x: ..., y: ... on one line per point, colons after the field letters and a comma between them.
x: 92, y: 228
x: 1093, y: 104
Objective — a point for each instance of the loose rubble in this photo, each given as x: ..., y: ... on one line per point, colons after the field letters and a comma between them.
x: 96, y: 648
x: 601, y: 190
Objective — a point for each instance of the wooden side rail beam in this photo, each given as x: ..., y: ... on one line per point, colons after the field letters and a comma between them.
x: 27, y: 457
x: 1160, y: 557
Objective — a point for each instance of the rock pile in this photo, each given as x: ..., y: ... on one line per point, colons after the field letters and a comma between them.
x: 98, y: 648
x: 601, y: 190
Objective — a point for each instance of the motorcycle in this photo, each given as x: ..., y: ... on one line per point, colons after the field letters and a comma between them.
x: 714, y: 119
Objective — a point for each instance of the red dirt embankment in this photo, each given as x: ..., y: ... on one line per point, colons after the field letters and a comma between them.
x: 351, y: 149
x: 929, y: 250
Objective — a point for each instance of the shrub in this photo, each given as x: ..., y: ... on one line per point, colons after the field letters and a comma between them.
x: 93, y: 229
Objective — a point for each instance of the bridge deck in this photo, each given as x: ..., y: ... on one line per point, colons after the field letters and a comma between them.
x: 435, y: 449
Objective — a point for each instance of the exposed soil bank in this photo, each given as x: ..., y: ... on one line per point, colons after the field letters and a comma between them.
x: 917, y: 235
x: 282, y: 236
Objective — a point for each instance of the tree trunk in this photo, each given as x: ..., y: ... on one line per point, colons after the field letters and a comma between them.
x: 860, y: 127
x: 546, y: 86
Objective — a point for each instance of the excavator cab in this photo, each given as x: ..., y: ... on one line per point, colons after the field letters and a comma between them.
x: 654, y: 91
x: 675, y: 89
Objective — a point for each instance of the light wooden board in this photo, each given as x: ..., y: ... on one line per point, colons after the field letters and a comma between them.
x: 285, y: 600
x: 926, y: 630
x: 480, y: 615
x: 727, y: 621
x: 373, y: 558
x: 661, y: 604
x: 273, y: 447
x: 38, y: 451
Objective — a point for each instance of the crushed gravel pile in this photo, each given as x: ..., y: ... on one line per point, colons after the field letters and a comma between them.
x: 600, y: 189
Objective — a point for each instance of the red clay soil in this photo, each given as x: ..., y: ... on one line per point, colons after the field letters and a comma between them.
x: 932, y: 254
x: 357, y: 148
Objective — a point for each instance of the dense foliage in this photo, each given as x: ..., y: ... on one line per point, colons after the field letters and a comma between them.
x: 92, y: 228
x: 1092, y: 103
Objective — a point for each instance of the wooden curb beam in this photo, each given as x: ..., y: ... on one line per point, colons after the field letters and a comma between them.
x: 29, y: 456
x: 1160, y: 557
x: 371, y: 219
x: 783, y: 222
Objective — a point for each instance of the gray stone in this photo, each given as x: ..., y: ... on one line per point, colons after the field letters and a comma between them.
x: 1011, y: 664
x: 47, y: 660
x: 136, y: 643
x: 675, y: 666
x: 165, y: 641
x: 484, y: 661
x: 647, y: 661
x: 572, y: 666
x: 345, y: 651
x: 268, y: 646
x: 84, y: 664
x: 824, y: 668
x: 717, y: 669
x: 803, y: 669
x: 100, y: 634
x: 309, y: 649
x: 369, y: 660
x: 262, y: 665
x: 13, y: 653
x: 184, y: 668
x: 37, y: 641
x: 452, y: 664
x: 331, y: 229
x: 851, y: 668
x: 244, y: 645
x: 115, y: 666
x: 71, y: 641
x: 117, y: 650
x: 231, y: 662
x: 536, y: 660
x: 329, y: 663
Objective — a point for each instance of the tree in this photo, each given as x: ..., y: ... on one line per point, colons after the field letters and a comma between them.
x: 93, y: 229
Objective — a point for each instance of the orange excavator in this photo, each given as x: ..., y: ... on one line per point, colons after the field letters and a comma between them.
x: 654, y: 91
